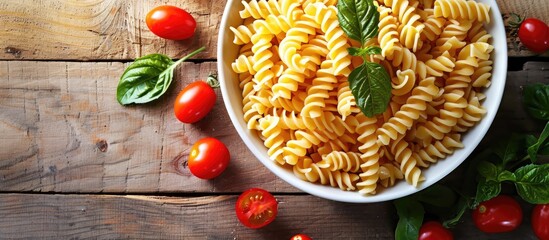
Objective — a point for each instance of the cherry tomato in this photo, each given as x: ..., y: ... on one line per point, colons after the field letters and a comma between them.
x: 194, y: 102
x: 209, y: 157
x: 256, y: 208
x: 540, y: 221
x: 534, y: 34
x: 301, y: 236
x: 171, y: 22
x: 499, y: 214
x: 433, y: 230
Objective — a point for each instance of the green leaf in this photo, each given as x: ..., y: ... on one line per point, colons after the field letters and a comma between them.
x: 532, y: 183
x: 437, y: 195
x: 534, y: 149
x: 147, y: 78
x: 371, y: 86
x: 410, y: 213
x: 506, y: 176
x: 370, y: 50
x: 536, y: 100
x: 486, y: 190
x: 507, y: 148
x: 373, y: 50
x: 358, y: 18
x: 354, y: 51
x: 488, y: 170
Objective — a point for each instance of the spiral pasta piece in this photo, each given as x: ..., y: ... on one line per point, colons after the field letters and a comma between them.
x: 309, y: 171
x: 389, y: 174
x: 317, y: 94
x: 403, y: 120
x: 326, y: 17
x: 273, y: 138
x: 259, y: 9
x: 440, y: 149
x: 462, y: 9
x: 370, y: 154
x: 339, y: 160
x: 408, y: 161
x: 451, y: 112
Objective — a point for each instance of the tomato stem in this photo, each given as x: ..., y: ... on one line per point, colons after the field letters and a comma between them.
x: 212, y: 80
x: 516, y: 21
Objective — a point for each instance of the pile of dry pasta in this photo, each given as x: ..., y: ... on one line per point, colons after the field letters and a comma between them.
x: 293, y: 66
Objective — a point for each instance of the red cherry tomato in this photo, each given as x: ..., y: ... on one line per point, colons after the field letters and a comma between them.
x: 256, y: 208
x: 433, y: 230
x: 194, y: 102
x: 301, y: 236
x: 540, y: 221
x: 171, y: 22
x: 499, y: 214
x: 209, y: 157
x: 534, y: 34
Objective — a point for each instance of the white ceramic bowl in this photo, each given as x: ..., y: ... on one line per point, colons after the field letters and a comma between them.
x: 232, y: 96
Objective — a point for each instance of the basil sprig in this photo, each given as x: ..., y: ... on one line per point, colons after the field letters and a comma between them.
x: 370, y: 83
x: 148, y: 78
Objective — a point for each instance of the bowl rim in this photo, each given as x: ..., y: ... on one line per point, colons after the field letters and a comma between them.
x: 492, y: 103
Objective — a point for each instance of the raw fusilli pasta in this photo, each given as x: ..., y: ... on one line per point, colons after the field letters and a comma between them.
x: 293, y: 66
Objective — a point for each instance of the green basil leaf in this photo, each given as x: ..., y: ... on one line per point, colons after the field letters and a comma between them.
x: 506, y: 176
x: 508, y: 148
x: 358, y: 18
x: 542, y: 141
x: 354, y: 51
x: 147, y: 78
x: 532, y: 183
x: 373, y: 50
x: 486, y: 190
x: 370, y: 50
x: 437, y: 195
x: 536, y: 100
x: 410, y: 213
x: 488, y: 170
x: 141, y: 81
x: 371, y: 86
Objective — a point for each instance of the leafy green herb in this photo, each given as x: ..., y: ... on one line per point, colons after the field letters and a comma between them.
x: 532, y: 182
x: 536, y: 100
x: 410, y: 213
x: 148, y: 78
x: 358, y: 18
x: 508, y: 148
x: 542, y: 142
x: 370, y: 83
x: 486, y: 190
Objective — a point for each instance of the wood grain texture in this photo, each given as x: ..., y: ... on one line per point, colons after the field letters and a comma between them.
x: 64, y: 131
x: 114, y: 30
x: 96, y: 29
x: 28, y: 216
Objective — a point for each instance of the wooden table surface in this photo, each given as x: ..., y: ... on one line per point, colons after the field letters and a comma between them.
x: 75, y: 164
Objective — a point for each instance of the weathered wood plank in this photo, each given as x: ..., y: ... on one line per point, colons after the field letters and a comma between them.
x: 92, y: 30
x: 85, y: 30
x: 63, y: 131
x: 48, y: 216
